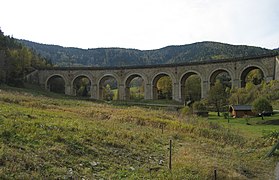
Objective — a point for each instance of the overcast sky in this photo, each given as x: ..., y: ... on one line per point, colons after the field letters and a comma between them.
x: 142, y: 24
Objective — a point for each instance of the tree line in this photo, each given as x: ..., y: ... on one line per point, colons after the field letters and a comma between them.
x: 17, y: 60
x: 259, y: 96
x: 256, y: 92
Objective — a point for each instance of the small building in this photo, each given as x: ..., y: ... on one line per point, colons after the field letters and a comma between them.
x: 239, y: 111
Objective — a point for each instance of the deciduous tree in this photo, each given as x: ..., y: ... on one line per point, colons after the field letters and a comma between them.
x: 261, y: 105
x: 193, y: 88
x: 164, y: 86
x: 108, y: 93
x: 217, y: 96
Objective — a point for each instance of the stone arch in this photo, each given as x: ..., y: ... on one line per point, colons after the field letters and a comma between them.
x: 128, y: 80
x: 57, y: 85
x: 101, y: 84
x: 213, y: 75
x: 183, y: 80
x: 84, y: 74
x: 245, y: 71
x: 74, y: 85
x: 155, y: 80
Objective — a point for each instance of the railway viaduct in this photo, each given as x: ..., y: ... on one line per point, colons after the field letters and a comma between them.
x: 237, y: 69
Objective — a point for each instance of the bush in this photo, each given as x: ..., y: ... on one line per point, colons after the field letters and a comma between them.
x: 199, y: 106
x: 199, y: 109
x: 261, y: 105
x: 186, y: 111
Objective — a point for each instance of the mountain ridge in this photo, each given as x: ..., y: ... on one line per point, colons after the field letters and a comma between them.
x: 115, y: 56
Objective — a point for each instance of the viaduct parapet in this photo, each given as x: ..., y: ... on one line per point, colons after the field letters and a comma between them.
x: 207, y: 71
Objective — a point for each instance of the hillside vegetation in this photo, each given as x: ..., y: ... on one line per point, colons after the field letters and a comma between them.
x: 54, y: 137
x: 201, y: 51
x: 17, y: 60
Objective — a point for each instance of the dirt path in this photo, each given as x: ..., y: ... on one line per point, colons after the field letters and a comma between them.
x: 277, y: 172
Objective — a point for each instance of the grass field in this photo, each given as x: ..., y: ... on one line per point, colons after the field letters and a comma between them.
x: 250, y: 127
x: 49, y: 136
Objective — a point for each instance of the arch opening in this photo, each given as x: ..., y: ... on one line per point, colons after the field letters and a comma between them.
x: 252, y: 74
x: 82, y: 85
x: 162, y: 87
x: 191, y: 87
x: 223, y: 76
x: 56, y: 84
x: 108, y: 88
x: 134, y: 88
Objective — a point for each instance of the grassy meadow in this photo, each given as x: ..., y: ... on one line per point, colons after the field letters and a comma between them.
x: 253, y: 127
x: 50, y: 136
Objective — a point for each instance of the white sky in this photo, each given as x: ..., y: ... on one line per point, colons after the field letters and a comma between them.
x: 141, y: 24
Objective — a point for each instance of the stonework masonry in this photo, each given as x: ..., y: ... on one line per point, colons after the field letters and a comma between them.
x: 207, y: 71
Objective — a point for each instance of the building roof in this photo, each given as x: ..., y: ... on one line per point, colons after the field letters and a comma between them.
x: 241, y: 107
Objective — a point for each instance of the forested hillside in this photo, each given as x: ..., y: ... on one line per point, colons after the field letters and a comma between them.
x: 201, y: 51
x: 16, y: 60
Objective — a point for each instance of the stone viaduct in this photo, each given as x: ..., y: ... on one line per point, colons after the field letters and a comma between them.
x: 237, y: 69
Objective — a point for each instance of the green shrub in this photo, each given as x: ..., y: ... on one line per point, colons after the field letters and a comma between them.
x: 262, y: 104
x: 186, y: 111
x: 199, y: 106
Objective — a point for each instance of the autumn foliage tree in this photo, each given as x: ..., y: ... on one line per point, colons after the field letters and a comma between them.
x: 255, y: 76
x: 164, y: 86
x: 108, y: 93
x: 193, y: 88
x: 217, y: 96
x: 250, y: 92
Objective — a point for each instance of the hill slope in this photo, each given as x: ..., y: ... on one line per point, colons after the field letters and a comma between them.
x: 126, y: 57
x: 16, y: 60
x: 58, y: 138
